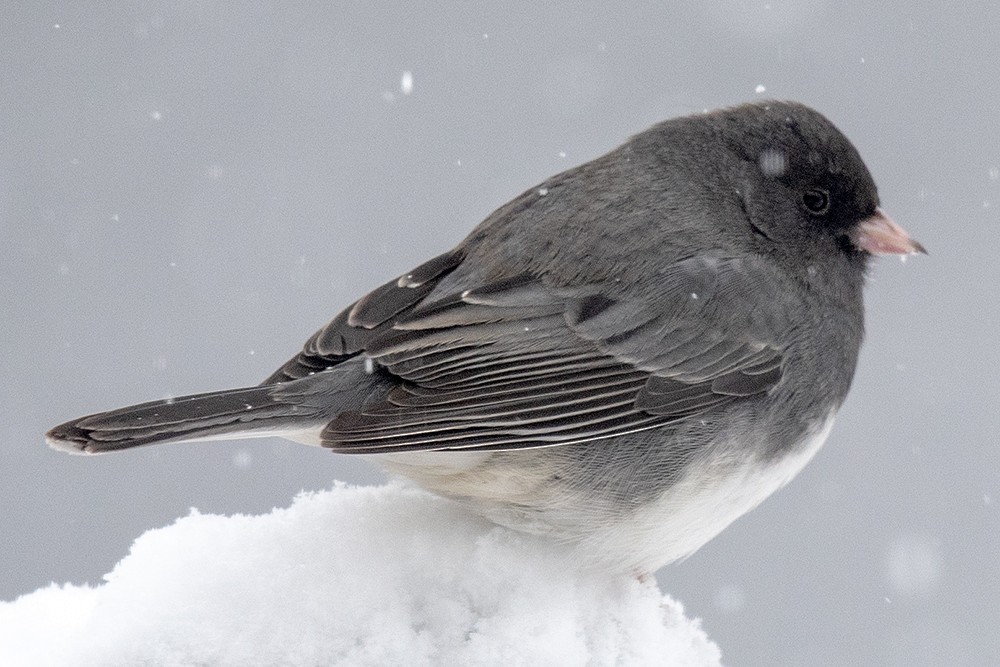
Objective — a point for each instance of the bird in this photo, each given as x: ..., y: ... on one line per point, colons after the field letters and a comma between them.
x: 625, y: 358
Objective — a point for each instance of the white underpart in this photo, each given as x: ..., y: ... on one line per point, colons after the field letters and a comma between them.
x: 305, y: 436
x: 418, y: 465
x: 685, y: 517
x: 699, y: 507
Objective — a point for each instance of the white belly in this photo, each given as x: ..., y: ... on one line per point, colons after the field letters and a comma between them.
x: 515, y: 489
x: 699, y: 507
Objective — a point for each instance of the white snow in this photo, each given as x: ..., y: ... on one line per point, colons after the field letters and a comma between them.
x: 773, y: 163
x: 243, y: 458
x: 730, y: 598
x: 352, y: 576
x: 913, y: 565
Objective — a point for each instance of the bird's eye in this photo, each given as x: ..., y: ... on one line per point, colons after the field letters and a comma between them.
x: 816, y: 201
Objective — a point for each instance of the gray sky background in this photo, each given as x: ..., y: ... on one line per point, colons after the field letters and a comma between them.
x: 189, y: 189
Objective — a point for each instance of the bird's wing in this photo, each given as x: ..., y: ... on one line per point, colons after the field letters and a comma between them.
x: 518, y: 363
x: 347, y: 335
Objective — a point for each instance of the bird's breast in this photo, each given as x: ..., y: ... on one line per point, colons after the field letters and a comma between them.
x: 711, y: 495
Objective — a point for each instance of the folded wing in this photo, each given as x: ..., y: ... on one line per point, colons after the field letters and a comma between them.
x: 518, y: 363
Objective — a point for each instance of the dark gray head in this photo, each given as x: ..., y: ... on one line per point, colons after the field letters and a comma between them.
x: 805, y: 187
x: 800, y: 188
x: 773, y: 179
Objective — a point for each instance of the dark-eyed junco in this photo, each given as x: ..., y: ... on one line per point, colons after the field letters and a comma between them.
x: 627, y: 357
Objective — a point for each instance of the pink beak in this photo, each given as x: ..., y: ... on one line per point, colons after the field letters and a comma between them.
x: 880, y: 235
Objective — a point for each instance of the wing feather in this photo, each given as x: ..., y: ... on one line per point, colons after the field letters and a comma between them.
x: 516, y: 363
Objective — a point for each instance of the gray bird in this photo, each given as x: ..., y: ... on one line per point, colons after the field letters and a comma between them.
x: 626, y: 357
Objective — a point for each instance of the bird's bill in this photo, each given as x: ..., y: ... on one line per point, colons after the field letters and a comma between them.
x: 880, y: 235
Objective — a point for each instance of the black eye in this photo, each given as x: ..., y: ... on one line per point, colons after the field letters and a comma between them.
x: 816, y: 201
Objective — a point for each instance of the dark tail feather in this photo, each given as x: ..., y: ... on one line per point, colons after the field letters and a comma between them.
x: 253, y: 411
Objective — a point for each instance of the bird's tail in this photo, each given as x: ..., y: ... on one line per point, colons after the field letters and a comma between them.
x: 278, y: 409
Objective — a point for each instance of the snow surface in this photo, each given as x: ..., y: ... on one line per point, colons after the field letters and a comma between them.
x: 351, y: 576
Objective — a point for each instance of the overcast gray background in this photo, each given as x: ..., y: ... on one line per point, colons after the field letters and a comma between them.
x: 189, y: 189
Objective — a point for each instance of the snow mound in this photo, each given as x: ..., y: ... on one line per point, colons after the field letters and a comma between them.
x: 351, y: 576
